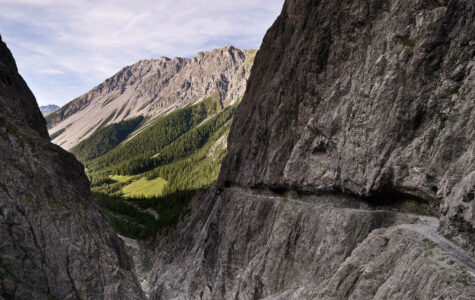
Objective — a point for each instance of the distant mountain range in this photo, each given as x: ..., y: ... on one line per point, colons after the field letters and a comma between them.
x: 47, y: 109
x: 152, y: 88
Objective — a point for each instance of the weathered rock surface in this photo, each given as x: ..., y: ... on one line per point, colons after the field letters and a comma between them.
x: 247, y: 245
x: 142, y: 264
x: 154, y: 87
x: 54, y: 242
x: 367, y: 107
x: 366, y: 98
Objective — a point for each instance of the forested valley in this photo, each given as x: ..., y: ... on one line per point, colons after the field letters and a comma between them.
x: 144, y: 172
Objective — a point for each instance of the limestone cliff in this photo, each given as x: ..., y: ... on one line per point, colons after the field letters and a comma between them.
x: 350, y: 170
x: 54, y: 242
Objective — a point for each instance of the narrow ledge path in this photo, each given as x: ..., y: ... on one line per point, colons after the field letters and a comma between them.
x: 427, y: 226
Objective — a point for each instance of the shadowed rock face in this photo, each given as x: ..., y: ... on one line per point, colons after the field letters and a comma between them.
x: 364, y: 97
x: 54, y: 243
x: 242, y: 244
x: 368, y: 102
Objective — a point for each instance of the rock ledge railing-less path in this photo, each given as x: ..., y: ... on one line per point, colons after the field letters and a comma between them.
x: 425, y: 225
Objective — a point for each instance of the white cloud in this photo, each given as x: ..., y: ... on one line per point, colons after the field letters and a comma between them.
x: 87, y: 41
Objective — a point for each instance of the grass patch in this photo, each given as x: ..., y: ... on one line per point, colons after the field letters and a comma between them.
x: 145, y: 188
x: 408, y: 42
x: 463, y: 278
x: 107, y: 119
x: 251, y: 57
x: 411, y: 43
x: 429, y: 244
x: 121, y: 178
x: 109, y: 100
x: 127, y: 113
x: 121, y: 110
x: 432, y: 136
x: 56, y: 134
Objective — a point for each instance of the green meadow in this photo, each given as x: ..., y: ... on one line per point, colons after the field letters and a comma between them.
x: 144, y: 188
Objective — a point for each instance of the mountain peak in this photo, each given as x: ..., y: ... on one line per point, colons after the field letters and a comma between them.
x: 151, y: 88
x: 47, y: 109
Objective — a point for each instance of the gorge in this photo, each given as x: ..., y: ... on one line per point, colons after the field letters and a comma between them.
x: 348, y: 173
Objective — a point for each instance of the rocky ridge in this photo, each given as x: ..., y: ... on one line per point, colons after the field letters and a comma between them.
x: 54, y: 242
x: 151, y: 88
x: 350, y: 169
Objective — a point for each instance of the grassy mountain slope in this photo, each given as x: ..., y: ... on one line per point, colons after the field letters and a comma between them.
x: 145, y: 159
x: 144, y: 183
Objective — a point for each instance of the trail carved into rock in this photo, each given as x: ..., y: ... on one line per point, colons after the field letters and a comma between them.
x: 427, y: 226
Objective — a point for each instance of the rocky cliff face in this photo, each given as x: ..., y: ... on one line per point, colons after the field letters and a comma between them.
x: 54, y: 243
x: 365, y: 98
x: 154, y: 87
x: 357, y: 123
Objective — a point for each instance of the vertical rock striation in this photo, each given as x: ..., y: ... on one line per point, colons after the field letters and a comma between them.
x: 54, y: 242
x: 350, y: 168
x: 367, y: 98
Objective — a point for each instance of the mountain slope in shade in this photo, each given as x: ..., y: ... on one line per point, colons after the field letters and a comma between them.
x: 54, y: 242
x: 151, y: 88
x: 47, y: 109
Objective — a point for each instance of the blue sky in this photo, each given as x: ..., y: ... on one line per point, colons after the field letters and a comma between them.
x: 63, y: 48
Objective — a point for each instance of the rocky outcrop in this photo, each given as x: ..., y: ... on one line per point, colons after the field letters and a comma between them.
x: 151, y: 88
x: 350, y: 168
x: 54, y: 242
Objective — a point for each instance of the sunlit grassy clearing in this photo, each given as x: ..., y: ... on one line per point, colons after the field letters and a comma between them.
x: 121, y: 178
x: 144, y: 187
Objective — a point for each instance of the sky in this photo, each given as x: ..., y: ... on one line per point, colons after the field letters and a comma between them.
x: 63, y: 48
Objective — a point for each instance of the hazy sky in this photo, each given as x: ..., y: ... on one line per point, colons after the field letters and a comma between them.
x: 63, y: 48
